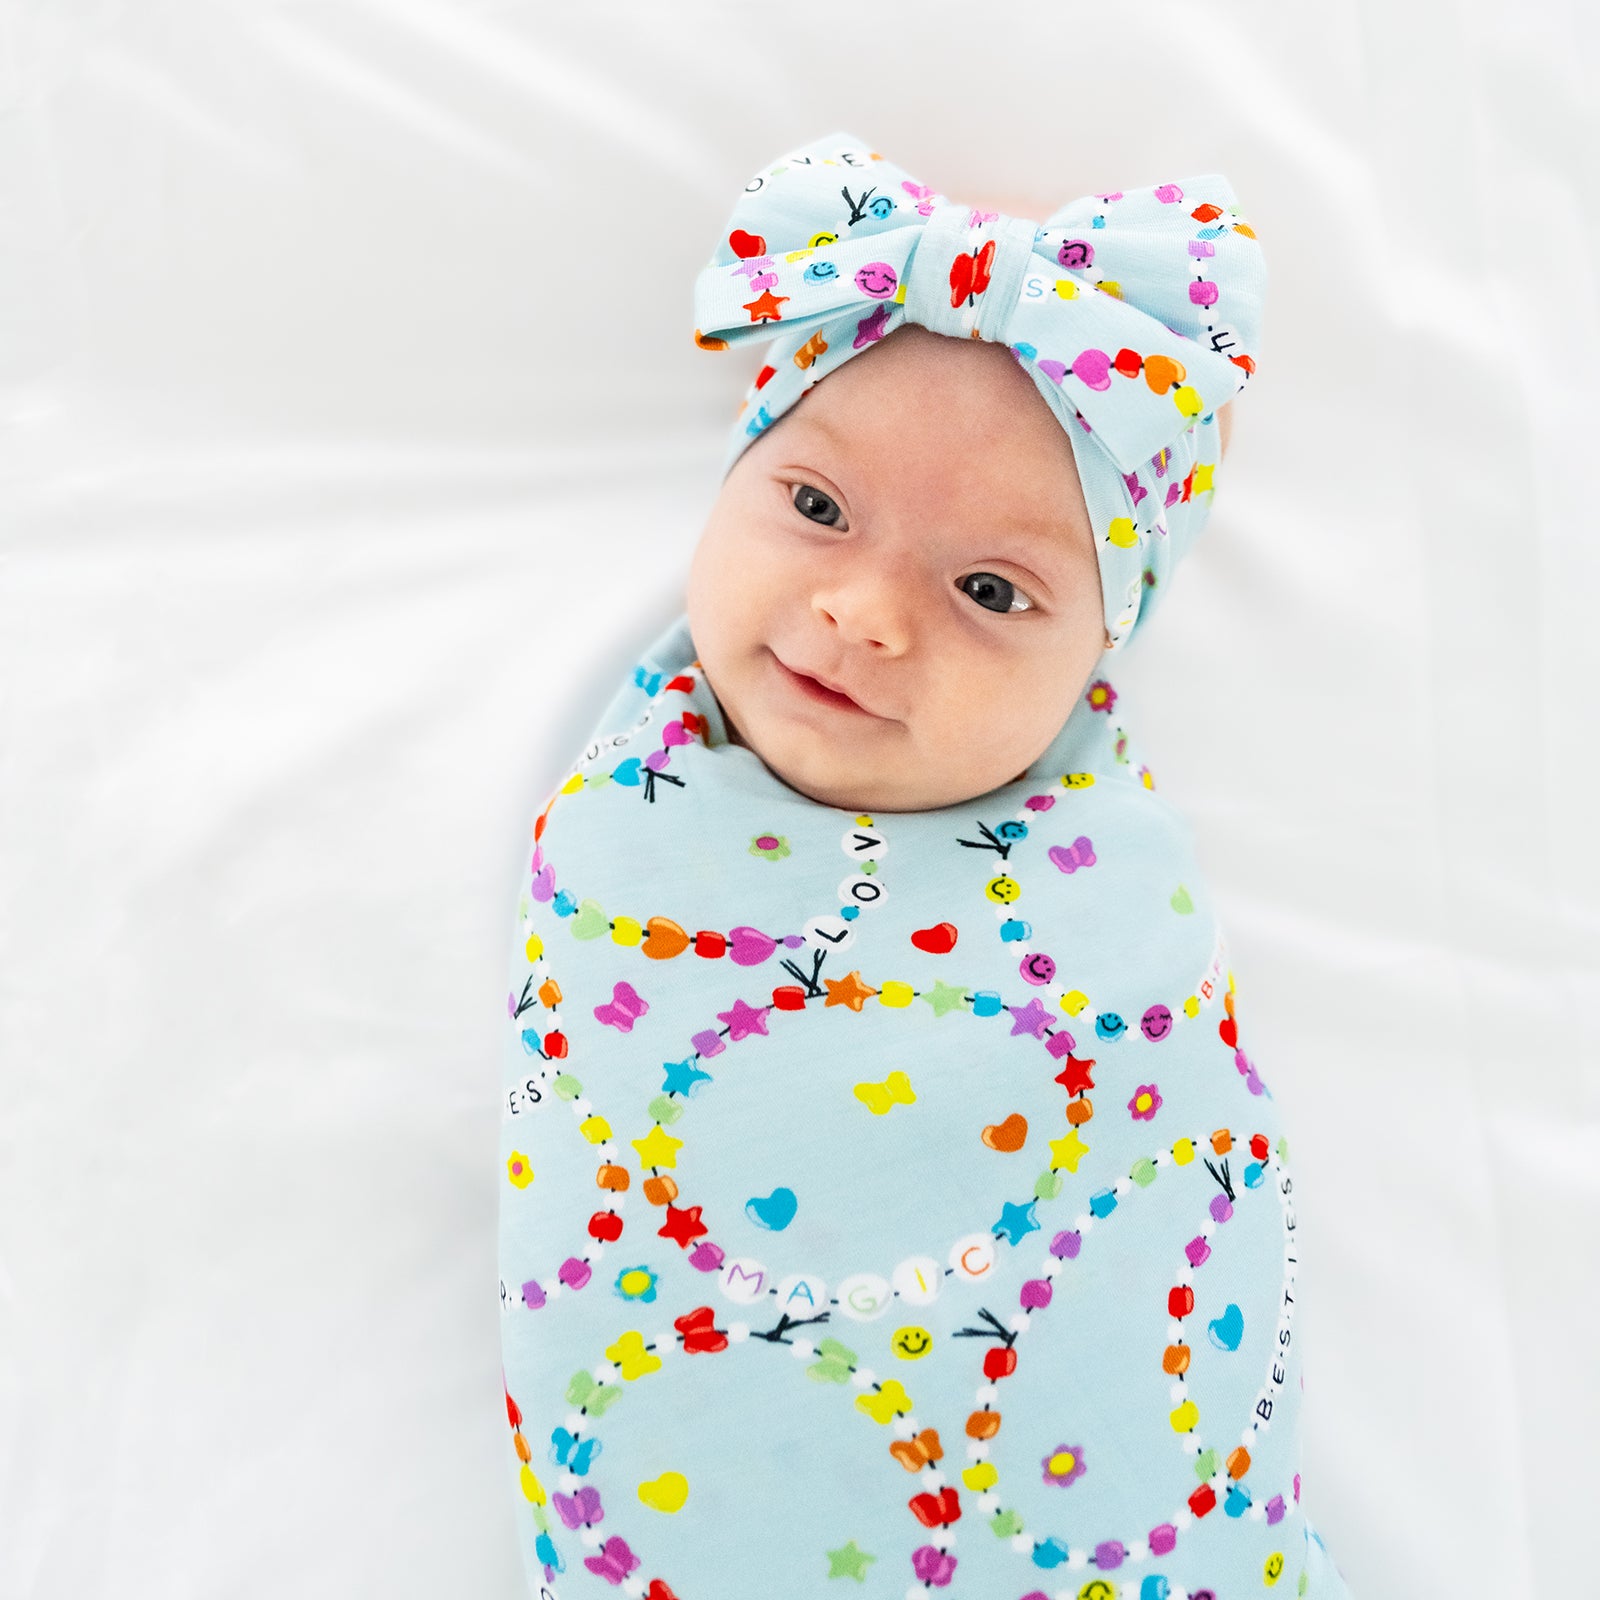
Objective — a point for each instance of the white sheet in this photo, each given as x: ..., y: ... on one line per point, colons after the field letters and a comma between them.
x: 310, y: 316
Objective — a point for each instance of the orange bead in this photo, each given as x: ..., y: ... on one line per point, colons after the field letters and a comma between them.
x: 611, y: 1177
x: 1239, y: 1463
x: 1222, y: 1141
x: 524, y: 1454
x: 660, y: 1190
x: 1175, y: 1359
x: 1079, y: 1111
x: 550, y: 993
x: 983, y: 1424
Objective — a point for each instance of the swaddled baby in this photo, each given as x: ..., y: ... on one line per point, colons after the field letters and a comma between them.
x: 891, y: 1205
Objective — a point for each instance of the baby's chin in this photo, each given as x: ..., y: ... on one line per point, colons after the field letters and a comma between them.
x: 829, y: 782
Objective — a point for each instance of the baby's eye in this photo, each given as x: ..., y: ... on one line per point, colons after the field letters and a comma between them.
x: 808, y: 502
x: 994, y: 593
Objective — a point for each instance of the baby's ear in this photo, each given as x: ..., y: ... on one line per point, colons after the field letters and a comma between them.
x: 1224, y: 426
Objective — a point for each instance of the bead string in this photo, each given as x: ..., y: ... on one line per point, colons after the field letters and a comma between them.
x: 917, y: 1447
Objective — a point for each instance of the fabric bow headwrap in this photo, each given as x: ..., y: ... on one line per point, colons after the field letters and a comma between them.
x: 1137, y: 314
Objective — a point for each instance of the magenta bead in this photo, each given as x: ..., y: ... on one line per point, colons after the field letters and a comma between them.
x: 706, y: 1256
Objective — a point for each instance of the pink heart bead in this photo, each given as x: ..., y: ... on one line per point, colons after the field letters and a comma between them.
x: 1093, y: 367
x: 749, y: 947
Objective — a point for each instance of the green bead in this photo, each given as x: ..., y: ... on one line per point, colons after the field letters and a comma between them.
x: 1047, y: 1185
x: 566, y: 1086
x: 602, y: 1400
x: 1144, y: 1172
x: 665, y: 1109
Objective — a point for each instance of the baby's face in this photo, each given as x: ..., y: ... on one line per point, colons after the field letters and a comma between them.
x: 913, y: 531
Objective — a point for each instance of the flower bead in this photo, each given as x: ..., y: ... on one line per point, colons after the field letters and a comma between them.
x: 1064, y: 1465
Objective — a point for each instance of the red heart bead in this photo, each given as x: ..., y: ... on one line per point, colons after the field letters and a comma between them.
x: 1228, y: 1033
x: 744, y: 245
x: 681, y: 682
x: 1128, y: 363
x: 939, y: 940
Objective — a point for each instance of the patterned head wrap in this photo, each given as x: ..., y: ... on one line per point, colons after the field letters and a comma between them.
x: 1137, y: 315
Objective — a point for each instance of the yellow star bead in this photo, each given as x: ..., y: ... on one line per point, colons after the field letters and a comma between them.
x: 658, y: 1148
x: 1067, y: 1152
x: 1202, y: 476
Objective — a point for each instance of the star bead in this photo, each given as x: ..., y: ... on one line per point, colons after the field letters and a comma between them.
x: 945, y: 997
x: 658, y: 1148
x: 1030, y: 1018
x: 847, y: 991
x: 682, y: 1227
x: 1017, y: 1221
x: 764, y: 308
x: 1068, y: 1152
x: 1074, y: 1077
x: 742, y: 1021
x: 848, y: 1561
x: 682, y: 1076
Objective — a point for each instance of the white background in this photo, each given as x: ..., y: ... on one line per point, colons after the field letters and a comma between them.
x: 354, y: 440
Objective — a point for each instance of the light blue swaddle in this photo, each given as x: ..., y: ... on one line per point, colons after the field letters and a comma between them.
x: 889, y: 1204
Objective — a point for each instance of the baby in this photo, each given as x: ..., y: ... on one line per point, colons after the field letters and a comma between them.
x: 890, y: 1204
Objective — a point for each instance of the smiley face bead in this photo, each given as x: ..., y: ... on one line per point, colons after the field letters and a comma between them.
x: 1004, y: 890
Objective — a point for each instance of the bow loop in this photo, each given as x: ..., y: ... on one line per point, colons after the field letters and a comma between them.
x: 1110, y: 301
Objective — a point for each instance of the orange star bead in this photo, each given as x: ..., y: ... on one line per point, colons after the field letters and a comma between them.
x: 847, y: 991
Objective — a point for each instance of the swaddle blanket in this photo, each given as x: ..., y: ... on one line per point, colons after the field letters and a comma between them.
x: 891, y: 1204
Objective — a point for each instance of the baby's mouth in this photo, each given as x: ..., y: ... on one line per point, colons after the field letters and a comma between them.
x: 819, y: 693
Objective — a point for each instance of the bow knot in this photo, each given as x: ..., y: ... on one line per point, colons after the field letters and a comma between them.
x: 966, y: 270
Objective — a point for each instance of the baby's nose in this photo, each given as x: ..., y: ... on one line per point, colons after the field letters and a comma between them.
x: 870, y: 607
